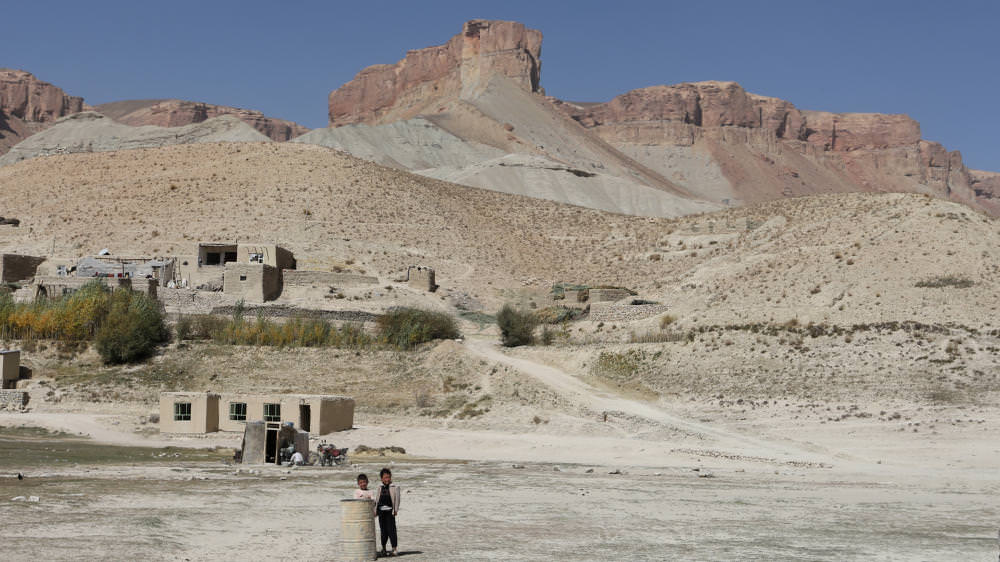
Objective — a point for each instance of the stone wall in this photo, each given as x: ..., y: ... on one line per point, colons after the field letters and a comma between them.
x: 190, y: 301
x: 608, y: 295
x: 293, y: 278
x: 13, y: 400
x: 623, y: 312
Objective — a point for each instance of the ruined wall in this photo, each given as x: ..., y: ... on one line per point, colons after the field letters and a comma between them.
x: 608, y: 295
x: 335, y: 414
x: 292, y: 278
x: 421, y: 278
x: 13, y: 400
x: 14, y: 267
x: 623, y: 312
x: 190, y: 301
x: 58, y: 286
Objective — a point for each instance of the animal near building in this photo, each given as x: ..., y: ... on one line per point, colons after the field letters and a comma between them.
x: 207, y: 412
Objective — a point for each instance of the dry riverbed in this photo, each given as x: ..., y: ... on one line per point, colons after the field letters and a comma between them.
x: 126, y: 503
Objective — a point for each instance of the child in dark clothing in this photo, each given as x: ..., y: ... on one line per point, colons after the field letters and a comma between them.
x: 387, y: 507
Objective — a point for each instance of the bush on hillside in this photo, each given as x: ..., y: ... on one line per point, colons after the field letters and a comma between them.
x: 405, y: 328
x: 516, y: 327
x: 132, y: 329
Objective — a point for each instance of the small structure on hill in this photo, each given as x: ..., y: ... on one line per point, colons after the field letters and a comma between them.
x: 206, y: 412
x: 272, y: 442
x: 252, y: 272
x: 421, y: 278
x: 254, y: 283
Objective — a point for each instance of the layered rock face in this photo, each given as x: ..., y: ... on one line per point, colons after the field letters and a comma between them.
x: 179, y: 113
x: 457, y: 69
x: 767, y: 148
x: 27, y: 98
x: 727, y: 104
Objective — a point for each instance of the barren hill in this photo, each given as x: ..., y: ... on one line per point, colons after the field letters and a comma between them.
x: 93, y: 132
x: 839, y: 259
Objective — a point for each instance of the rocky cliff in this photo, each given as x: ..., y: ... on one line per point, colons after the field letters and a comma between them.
x: 764, y: 148
x: 28, y: 105
x: 459, y: 68
x: 31, y: 100
x: 178, y: 113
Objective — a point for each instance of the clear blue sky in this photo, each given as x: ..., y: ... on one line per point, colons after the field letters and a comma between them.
x: 939, y: 62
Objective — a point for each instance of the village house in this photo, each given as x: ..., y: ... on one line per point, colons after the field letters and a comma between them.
x: 207, y: 412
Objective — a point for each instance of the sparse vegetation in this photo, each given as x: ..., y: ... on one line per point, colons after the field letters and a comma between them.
x: 405, y: 328
x: 557, y: 314
x: 133, y: 328
x: 516, y: 327
x: 126, y: 326
x: 941, y: 281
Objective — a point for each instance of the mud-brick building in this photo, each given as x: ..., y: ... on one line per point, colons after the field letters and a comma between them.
x: 206, y: 412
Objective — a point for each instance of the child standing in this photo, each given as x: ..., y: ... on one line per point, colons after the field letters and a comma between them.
x: 387, y: 507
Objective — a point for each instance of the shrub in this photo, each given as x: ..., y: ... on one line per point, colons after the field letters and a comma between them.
x: 516, y: 327
x: 946, y: 281
x: 556, y: 314
x: 132, y: 329
x: 547, y: 336
x: 183, y: 328
x: 405, y: 328
x: 666, y: 321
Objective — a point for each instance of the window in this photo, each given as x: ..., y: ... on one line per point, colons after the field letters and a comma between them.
x: 230, y: 256
x: 243, y: 277
x: 182, y: 411
x: 238, y: 411
x: 272, y: 412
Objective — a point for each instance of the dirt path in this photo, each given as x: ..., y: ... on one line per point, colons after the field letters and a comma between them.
x: 592, y: 398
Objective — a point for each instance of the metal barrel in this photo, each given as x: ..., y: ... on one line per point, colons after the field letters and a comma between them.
x: 357, y: 530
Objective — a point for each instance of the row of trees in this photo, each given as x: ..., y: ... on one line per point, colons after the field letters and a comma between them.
x: 125, y: 326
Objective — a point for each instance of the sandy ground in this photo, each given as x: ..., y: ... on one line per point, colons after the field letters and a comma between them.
x: 693, y: 485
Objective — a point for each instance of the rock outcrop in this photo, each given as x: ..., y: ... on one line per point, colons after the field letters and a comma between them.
x: 712, y: 141
x: 28, y: 105
x: 178, y: 113
x: 459, y: 68
x: 24, y: 96
x: 727, y: 104
x: 767, y: 148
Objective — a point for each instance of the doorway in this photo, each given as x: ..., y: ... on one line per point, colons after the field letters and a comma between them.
x: 305, y: 414
x: 271, y: 444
